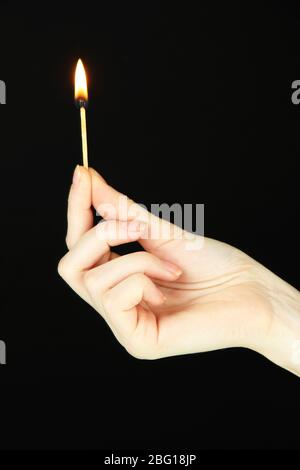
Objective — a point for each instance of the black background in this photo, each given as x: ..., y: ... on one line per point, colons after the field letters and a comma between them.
x: 186, y: 105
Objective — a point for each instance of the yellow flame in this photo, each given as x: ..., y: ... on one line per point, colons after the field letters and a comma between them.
x: 81, y: 91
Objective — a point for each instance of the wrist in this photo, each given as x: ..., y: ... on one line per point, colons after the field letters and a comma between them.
x: 279, y: 339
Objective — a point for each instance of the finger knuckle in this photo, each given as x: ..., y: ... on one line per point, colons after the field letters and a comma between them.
x: 139, y: 278
x: 68, y: 242
x: 140, y: 351
x: 62, y: 268
x: 134, y: 351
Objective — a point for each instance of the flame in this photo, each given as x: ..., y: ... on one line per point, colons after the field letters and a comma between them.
x: 81, y: 91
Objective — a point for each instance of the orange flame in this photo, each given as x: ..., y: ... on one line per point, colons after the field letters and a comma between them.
x: 81, y: 91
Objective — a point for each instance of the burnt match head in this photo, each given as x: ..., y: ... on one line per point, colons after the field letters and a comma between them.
x: 80, y: 103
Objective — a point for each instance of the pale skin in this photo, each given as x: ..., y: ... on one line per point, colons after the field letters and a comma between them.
x: 169, y: 300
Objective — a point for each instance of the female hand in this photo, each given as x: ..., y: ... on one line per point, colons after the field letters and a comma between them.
x: 181, y: 295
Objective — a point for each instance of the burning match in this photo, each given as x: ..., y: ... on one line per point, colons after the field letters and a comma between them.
x: 81, y: 100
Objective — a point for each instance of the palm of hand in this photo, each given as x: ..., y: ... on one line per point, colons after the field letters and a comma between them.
x: 212, y: 305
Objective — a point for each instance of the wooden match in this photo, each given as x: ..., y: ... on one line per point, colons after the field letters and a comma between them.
x: 81, y: 100
x: 84, y: 137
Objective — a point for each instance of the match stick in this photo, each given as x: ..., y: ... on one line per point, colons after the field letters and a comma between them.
x: 84, y: 137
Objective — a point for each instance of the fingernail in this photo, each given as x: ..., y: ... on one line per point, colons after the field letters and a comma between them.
x: 76, y: 176
x: 172, y: 268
